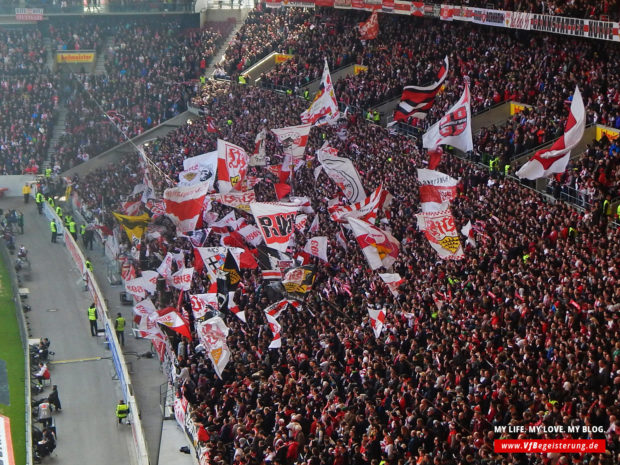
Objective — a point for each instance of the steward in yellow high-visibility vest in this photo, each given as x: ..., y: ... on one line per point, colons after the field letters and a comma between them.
x: 59, y: 212
x: 119, y: 327
x: 73, y: 228
x: 54, y: 230
x: 92, y: 318
x: 122, y: 410
x: 39, y: 199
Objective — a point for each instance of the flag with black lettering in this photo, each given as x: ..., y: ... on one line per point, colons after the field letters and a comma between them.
x: 276, y: 222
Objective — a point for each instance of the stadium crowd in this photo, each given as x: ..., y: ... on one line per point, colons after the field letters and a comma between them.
x: 151, y: 68
x: 523, y: 331
x: 469, y: 344
x: 28, y: 98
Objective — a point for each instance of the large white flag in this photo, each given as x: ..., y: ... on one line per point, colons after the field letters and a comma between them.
x: 136, y: 287
x: 379, y: 247
x: 201, y: 168
x: 184, y: 205
x: 554, y: 159
x: 317, y: 246
x: 324, y: 108
x: 232, y: 167
x: 293, y: 140
x: 276, y: 222
x: 212, y: 335
x: 182, y: 279
x: 454, y: 128
x: 276, y: 329
x: 144, y: 308
x: 150, y: 280
x: 344, y: 174
x: 203, y: 303
x: 439, y: 229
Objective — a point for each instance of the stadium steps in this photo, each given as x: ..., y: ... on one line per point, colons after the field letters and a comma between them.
x: 100, y: 63
x: 57, y: 132
x: 47, y: 42
x: 222, y: 50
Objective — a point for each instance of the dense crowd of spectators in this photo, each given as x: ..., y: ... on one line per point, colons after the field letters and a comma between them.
x: 468, y: 344
x: 262, y: 33
x: 69, y: 35
x: 151, y: 69
x: 28, y: 98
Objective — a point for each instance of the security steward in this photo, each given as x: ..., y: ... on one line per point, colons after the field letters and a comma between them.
x: 92, y: 318
x: 39, y: 199
x: 73, y: 228
x: 54, y: 230
x: 89, y: 265
x: 59, y: 211
x: 122, y: 410
x: 119, y: 327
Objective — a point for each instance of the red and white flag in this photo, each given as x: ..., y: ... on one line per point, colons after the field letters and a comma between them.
x: 439, y: 229
x: 454, y: 128
x: 276, y: 222
x: 201, y: 168
x: 240, y: 200
x: 370, y: 29
x: 379, y: 247
x: 342, y: 240
x: 317, y: 246
x: 324, y: 108
x: 182, y: 279
x: 293, y: 140
x: 203, y: 303
x: 435, y: 188
x: 365, y: 210
x: 184, y: 205
x: 212, y: 335
x: 232, y: 167
x: 468, y: 232
x: 221, y: 226
x: 377, y: 320
x: 392, y: 281
x: 251, y: 234
x: 165, y: 268
x: 213, y: 259
x: 131, y: 207
x: 150, y: 280
x: 136, y: 287
x: 554, y: 159
x: 301, y: 221
x: 446, y: 13
x: 314, y: 227
x: 144, y: 308
x: 276, y: 309
x: 170, y: 317
x: 276, y: 329
x: 148, y: 328
x: 416, y: 101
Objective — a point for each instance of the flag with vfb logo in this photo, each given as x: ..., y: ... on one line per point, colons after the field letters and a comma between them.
x: 232, y: 167
x: 435, y: 189
x: 440, y: 230
x: 276, y: 222
x: 203, y: 303
x: 298, y: 281
x: 370, y: 29
x: 134, y: 226
x: 379, y: 247
x: 454, y: 128
x: 212, y: 335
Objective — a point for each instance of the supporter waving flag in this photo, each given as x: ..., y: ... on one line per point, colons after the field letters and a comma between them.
x: 454, y: 128
x: 170, y: 318
x: 370, y: 29
x: 392, y: 281
x: 417, y: 101
x: 554, y: 159
x: 298, y: 281
x: 344, y: 174
x: 276, y: 329
x: 324, y: 108
x: 232, y: 166
x: 379, y: 247
x: 435, y: 188
x: 134, y: 226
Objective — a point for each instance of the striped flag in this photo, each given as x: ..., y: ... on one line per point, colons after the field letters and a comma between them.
x: 365, y: 210
x: 417, y: 101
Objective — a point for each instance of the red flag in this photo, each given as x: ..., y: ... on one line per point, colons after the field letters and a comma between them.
x: 282, y: 190
x: 434, y: 158
x: 169, y: 317
x: 370, y: 29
